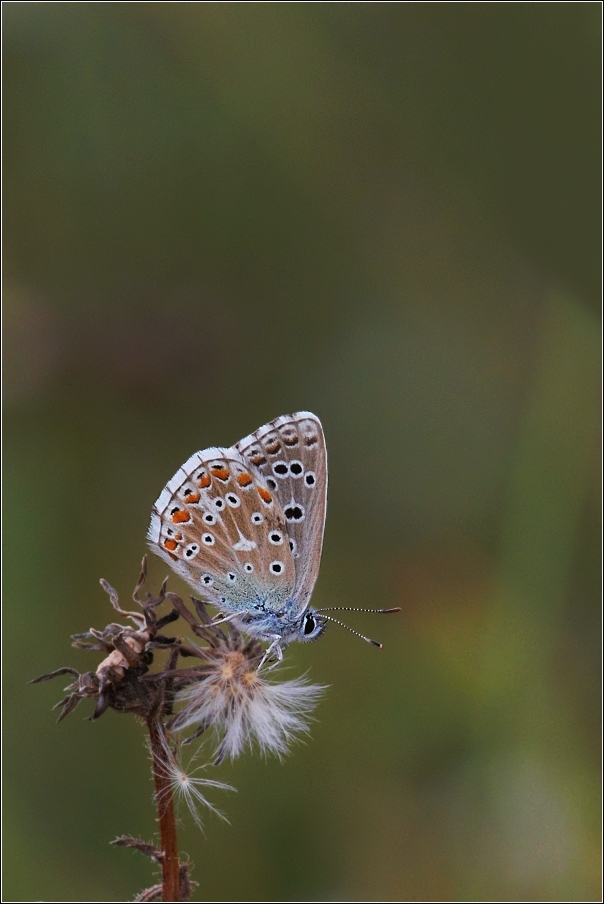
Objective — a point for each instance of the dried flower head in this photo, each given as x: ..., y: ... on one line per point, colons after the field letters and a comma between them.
x: 229, y: 693
x: 118, y: 681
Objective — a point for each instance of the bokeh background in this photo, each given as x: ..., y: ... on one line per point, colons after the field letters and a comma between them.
x: 386, y: 213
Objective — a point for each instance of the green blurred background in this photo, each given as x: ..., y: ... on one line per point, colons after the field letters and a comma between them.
x: 386, y: 213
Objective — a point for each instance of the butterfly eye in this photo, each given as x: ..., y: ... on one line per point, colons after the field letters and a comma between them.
x: 275, y: 538
x: 276, y: 567
x: 281, y: 469
x: 209, y: 518
x: 272, y: 484
x: 191, y: 551
x: 233, y: 500
x: 296, y: 469
x: 231, y: 577
x: 311, y: 626
x: 207, y: 579
x: 309, y: 623
x: 208, y: 539
x: 248, y: 567
x: 219, y: 503
x: 310, y: 479
x: 257, y: 518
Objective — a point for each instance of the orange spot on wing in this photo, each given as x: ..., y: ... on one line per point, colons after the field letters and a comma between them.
x: 244, y: 480
x: 170, y: 544
x: 180, y: 516
x: 221, y: 473
x: 264, y: 494
x: 205, y: 481
x: 193, y: 497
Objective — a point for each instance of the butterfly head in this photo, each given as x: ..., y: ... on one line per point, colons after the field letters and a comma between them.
x: 283, y: 626
x: 279, y: 628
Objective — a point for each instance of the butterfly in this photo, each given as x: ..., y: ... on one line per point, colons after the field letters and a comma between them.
x: 244, y: 527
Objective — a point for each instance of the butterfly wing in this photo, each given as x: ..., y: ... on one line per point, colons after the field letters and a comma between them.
x: 221, y: 528
x: 290, y: 456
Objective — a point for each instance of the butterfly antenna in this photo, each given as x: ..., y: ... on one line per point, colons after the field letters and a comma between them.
x: 375, y: 643
x: 355, y: 609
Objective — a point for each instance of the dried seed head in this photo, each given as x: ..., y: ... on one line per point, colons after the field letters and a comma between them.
x: 229, y: 694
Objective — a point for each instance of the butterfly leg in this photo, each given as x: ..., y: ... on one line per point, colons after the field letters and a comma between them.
x: 275, y: 647
x: 226, y: 618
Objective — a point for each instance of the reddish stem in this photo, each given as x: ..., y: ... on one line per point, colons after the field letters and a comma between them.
x: 165, y: 814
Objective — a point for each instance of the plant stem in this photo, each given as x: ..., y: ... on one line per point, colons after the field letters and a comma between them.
x: 165, y: 814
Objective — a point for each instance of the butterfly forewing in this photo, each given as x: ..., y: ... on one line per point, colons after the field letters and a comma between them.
x: 221, y: 528
x: 290, y: 455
